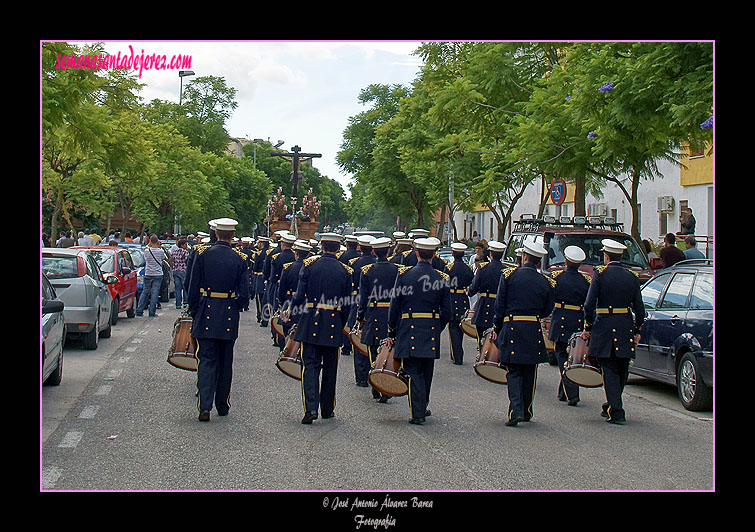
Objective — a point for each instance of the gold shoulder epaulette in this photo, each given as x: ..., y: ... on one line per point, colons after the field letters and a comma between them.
x: 309, y: 260
x: 352, y: 261
x: 201, y: 248
x: 507, y: 271
x: 550, y: 279
x: 366, y: 268
x: 403, y: 269
x: 348, y: 268
x: 469, y: 266
x: 635, y: 273
x: 338, y: 255
x: 449, y: 265
x: 444, y: 275
x: 482, y: 264
x: 586, y: 276
x: 275, y: 256
x: 241, y: 253
x: 600, y: 269
x: 557, y: 273
x: 406, y: 253
x: 287, y: 265
x: 268, y: 251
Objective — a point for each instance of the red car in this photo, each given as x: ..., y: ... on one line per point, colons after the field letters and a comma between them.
x: 117, y: 262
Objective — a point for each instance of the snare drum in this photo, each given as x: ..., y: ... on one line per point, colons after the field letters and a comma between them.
x: 387, y: 376
x: 276, y: 324
x: 486, y: 364
x: 580, y: 368
x: 466, y: 324
x: 289, y: 361
x: 355, y: 337
x: 181, y: 352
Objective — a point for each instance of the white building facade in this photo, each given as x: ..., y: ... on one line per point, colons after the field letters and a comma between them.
x: 660, y: 203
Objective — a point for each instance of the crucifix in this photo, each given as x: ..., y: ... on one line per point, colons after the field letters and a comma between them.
x: 295, y: 157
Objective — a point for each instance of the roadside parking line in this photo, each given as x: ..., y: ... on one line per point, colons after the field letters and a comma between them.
x: 71, y: 439
x: 103, y: 390
x: 50, y: 477
x: 89, y: 412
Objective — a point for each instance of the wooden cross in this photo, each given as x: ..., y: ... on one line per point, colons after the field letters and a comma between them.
x: 295, y: 158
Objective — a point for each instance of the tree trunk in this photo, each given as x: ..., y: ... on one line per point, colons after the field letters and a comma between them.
x: 579, y: 196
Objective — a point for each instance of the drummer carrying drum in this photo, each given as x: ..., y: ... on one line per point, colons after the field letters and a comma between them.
x: 461, y: 275
x: 375, y: 288
x: 485, y: 283
x: 613, y: 296
x: 568, y: 315
x: 289, y: 280
x: 324, y: 296
x: 524, y: 296
x: 418, y: 313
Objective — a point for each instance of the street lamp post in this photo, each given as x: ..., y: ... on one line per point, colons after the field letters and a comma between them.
x: 255, y: 151
x: 182, y: 74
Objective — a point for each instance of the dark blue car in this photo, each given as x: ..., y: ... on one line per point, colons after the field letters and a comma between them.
x: 676, y: 346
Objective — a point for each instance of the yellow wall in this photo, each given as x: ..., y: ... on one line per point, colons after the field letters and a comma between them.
x: 697, y: 170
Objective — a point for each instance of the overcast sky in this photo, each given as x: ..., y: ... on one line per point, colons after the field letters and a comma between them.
x: 300, y: 92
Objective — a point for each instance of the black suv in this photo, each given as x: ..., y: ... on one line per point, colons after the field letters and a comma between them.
x: 676, y: 344
x: 585, y: 232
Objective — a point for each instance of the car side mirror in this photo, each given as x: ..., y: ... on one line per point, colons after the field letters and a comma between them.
x: 52, y: 305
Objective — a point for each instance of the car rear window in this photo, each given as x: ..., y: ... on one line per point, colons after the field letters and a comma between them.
x: 59, y: 267
x: 702, y: 292
x: 104, y: 259
x: 678, y: 291
x: 592, y: 245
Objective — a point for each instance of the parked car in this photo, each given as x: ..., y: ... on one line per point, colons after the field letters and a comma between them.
x: 585, y: 232
x: 167, y: 289
x: 676, y: 344
x: 53, y: 334
x: 117, y: 262
x: 79, y: 283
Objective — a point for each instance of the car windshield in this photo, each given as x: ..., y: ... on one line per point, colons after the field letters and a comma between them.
x: 137, y: 256
x: 591, y: 244
x: 59, y: 267
x: 105, y: 259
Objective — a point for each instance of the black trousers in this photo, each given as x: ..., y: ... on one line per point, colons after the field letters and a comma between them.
x: 522, y: 379
x: 456, y: 338
x: 567, y: 389
x: 420, y: 372
x: 615, y: 375
x: 317, y: 393
x: 214, y: 373
x: 346, y: 347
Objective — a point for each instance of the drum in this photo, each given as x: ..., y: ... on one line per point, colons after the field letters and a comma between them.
x: 289, y: 361
x: 355, y: 337
x: 580, y: 368
x: 486, y: 364
x: 387, y: 376
x: 276, y: 324
x: 181, y: 352
x: 545, y: 325
x: 466, y: 324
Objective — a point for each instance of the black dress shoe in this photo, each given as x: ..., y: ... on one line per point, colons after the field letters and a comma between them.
x: 363, y: 384
x: 204, y: 415
x: 223, y: 413
x: 383, y: 399
x: 428, y: 413
x: 331, y: 415
x: 417, y: 420
x: 617, y: 421
x: 308, y: 418
x: 573, y: 402
x: 513, y: 422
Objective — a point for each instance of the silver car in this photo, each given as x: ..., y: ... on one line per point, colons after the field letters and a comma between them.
x: 53, y: 334
x: 79, y: 283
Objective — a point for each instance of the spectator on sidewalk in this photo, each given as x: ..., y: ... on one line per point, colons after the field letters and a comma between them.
x: 691, y: 251
x: 670, y: 254
x: 179, y: 257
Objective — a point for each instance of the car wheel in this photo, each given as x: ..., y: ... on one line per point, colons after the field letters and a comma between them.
x: 114, y: 311
x: 57, y: 375
x: 107, y: 331
x: 693, y: 392
x: 90, y: 339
